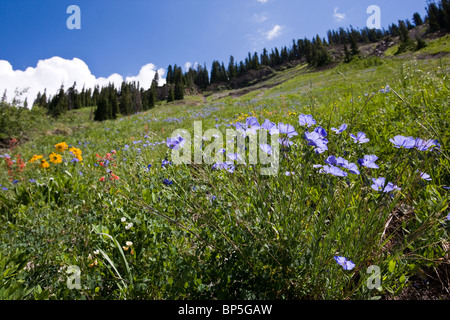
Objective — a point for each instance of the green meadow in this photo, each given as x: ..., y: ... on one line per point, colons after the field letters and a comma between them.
x: 133, y: 225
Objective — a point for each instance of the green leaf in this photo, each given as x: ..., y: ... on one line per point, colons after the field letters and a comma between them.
x: 392, y: 266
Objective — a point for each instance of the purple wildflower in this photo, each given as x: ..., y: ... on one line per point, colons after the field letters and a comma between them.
x: 268, y: 125
x: 306, y: 120
x: 266, y: 148
x: 359, y: 138
x: 334, y: 171
x: 403, y: 142
x: 423, y: 145
x: 369, y: 162
x: 344, y: 262
x: 378, y: 184
x: 424, y: 176
x: 175, y: 143
x: 341, y: 129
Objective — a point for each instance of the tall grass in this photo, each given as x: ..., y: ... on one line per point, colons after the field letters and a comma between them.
x: 221, y: 235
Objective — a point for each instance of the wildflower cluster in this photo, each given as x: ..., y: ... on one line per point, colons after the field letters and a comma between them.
x: 56, y: 157
x: 105, y: 162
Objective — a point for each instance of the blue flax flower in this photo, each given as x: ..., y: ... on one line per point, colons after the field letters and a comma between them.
x: 424, y: 176
x: 378, y: 185
x: 175, y: 143
x: 266, y: 148
x: 350, y: 166
x: 341, y: 129
x: 268, y: 125
x: 423, y: 145
x: 167, y: 182
x: 306, y: 120
x: 165, y: 163
x: 334, y: 171
x: 316, y: 140
x: 359, y: 138
x: 229, y: 166
x: 369, y: 161
x: 344, y: 262
x: 403, y: 142
x: 287, y: 129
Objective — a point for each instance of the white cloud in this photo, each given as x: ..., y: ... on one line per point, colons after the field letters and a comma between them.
x: 262, y: 1
x: 338, y: 16
x: 146, y: 76
x: 51, y: 73
x: 274, y: 33
x: 259, y: 18
x: 187, y: 65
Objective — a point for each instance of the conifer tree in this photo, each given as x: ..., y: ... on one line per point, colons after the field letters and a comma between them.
x: 353, y: 45
x: 58, y: 104
x: 417, y: 19
x: 170, y: 96
x: 347, y: 54
x: 179, y: 91
x: 103, y: 111
x: 405, y: 40
x: 125, y: 103
x: 232, y: 72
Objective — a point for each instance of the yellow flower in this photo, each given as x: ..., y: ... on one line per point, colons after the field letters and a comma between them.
x: 35, y: 158
x: 75, y: 151
x: 55, y: 158
x: 44, y: 164
x: 61, y: 147
x: 79, y: 157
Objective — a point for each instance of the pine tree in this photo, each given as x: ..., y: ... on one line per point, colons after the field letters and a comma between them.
x: 58, y: 104
x: 37, y: 101
x: 170, y: 96
x: 4, y: 97
x: 179, y: 91
x: 103, y: 111
x: 169, y: 77
x: 137, y: 102
x: 126, y: 102
x: 43, y: 102
x: 433, y: 17
x: 409, y: 25
x: 114, y: 102
x: 232, y: 72
x: 405, y: 40
x: 265, y: 58
x: 353, y: 45
x: 347, y: 54
x: 417, y: 19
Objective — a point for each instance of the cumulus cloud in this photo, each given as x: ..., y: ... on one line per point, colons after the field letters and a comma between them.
x: 274, y: 33
x: 262, y: 1
x: 338, y: 16
x: 259, y: 18
x: 51, y: 73
x: 146, y: 76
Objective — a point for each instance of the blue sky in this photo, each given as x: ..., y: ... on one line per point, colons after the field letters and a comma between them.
x: 120, y: 37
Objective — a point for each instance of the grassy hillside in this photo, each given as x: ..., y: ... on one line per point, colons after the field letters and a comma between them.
x: 140, y: 227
